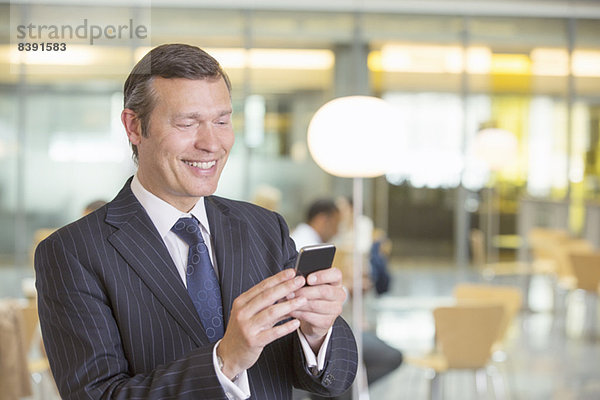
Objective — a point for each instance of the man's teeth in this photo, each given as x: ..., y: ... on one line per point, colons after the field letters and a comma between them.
x: 201, y: 165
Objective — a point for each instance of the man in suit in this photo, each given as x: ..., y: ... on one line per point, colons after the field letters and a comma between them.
x: 169, y: 292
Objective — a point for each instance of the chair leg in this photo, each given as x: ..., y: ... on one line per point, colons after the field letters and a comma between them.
x: 44, y: 389
x: 498, y: 384
x: 435, y: 387
x: 526, y: 282
x: 591, y: 315
x: 506, y: 376
x: 562, y: 298
x: 481, y: 383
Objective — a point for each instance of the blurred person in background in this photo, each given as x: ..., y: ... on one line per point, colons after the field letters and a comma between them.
x: 331, y: 221
x: 320, y: 226
x: 170, y: 292
x: 345, y: 237
x: 379, y: 254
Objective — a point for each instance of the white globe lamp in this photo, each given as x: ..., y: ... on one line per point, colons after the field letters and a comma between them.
x: 498, y: 148
x: 354, y: 136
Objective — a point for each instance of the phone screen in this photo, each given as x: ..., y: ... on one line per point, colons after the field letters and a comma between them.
x: 314, y: 258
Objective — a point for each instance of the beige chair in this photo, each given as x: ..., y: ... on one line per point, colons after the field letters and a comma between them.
x: 550, y: 249
x: 586, y: 270
x: 564, y: 271
x: 491, y: 270
x: 542, y: 243
x: 464, y: 335
x: 508, y: 296
x: 562, y: 277
x: 37, y: 362
x: 14, y: 375
x: 518, y: 272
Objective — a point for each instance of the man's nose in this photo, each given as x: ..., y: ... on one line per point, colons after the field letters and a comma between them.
x: 206, y: 138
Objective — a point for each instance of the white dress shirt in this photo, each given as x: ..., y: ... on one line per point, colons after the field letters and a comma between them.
x: 164, y: 216
x: 305, y: 235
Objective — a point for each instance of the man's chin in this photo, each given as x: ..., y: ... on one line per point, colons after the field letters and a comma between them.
x: 203, y: 191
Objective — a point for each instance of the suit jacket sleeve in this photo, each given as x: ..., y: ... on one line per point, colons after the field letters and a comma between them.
x: 341, y: 357
x: 83, y: 340
x: 340, y: 364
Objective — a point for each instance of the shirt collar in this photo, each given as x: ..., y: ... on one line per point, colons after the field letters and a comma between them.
x: 164, y: 215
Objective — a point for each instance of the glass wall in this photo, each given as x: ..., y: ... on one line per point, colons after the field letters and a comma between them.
x: 451, y: 77
x: 62, y: 144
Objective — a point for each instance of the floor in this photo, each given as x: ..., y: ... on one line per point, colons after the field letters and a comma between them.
x: 550, y: 354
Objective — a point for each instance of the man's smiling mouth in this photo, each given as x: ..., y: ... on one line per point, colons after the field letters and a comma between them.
x: 201, y: 164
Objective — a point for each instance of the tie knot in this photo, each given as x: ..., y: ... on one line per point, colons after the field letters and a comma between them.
x: 188, y: 229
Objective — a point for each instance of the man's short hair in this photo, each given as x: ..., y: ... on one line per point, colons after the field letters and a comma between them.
x: 166, y: 61
x: 321, y: 206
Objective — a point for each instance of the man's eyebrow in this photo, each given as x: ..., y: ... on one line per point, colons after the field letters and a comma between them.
x: 197, y: 115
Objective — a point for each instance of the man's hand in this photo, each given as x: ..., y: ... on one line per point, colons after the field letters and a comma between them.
x: 253, y: 316
x: 325, y: 298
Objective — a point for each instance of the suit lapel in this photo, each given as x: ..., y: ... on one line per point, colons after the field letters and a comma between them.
x: 230, y: 241
x: 139, y: 243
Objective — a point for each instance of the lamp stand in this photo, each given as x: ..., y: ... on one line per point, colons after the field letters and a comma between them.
x: 357, y: 289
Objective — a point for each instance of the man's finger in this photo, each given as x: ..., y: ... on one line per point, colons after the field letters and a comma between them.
x: 314, y: 321
x: 270, y: 282
x: 272, y: 294
x: 322, y: 307
x: 331, y: 276
x: 269, y: 335
x: 322, y: 292
x: 275, y: 313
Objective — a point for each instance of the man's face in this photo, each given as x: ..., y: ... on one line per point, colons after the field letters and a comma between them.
x: 189, y: 138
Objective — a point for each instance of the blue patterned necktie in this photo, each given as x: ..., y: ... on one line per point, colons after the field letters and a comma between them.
x: 202, y: 284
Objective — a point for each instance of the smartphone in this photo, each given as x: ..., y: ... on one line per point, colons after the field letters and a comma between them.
x: 314, y: 258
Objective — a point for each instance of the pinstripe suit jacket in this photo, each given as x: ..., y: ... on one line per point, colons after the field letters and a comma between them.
x: 118, y: 323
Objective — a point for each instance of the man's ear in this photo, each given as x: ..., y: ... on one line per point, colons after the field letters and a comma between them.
x: 132, y: 125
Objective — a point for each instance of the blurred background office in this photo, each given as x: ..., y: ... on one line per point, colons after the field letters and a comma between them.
x: 497, y: 180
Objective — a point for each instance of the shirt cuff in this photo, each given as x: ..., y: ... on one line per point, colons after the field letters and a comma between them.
x: 313, y: 361
x: 234, y: 390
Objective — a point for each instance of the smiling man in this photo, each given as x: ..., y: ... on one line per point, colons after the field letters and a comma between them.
x: 170, y: 292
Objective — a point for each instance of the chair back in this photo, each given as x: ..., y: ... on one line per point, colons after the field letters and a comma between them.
x: 586, y: 268
x: 14, y: 374
x: 563, y: 252
x: 543, y: 243
x: 30, y: 323
x: 465, y: 333
x: 508, y: 296
x: 477, y: 240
